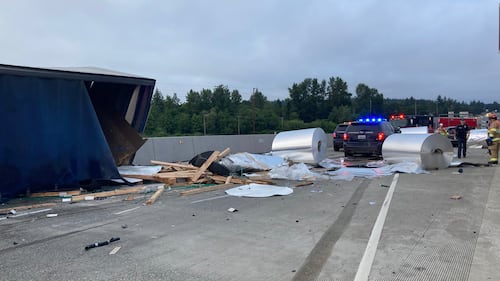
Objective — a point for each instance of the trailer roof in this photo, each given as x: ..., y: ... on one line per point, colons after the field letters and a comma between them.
x: 77, y: 73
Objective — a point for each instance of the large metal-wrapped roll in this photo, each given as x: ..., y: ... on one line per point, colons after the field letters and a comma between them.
x: 305, y: 146
x: 414, y: 130
x: 431, y: 151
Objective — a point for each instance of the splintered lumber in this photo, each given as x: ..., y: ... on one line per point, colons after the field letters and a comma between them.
x: 304, y: 183
x: 56, y: 193
x: 27, y: 207
x: 176, y: 174
x: 205, y: 165
x: 208, y: 188
x: 228, y: 179
x: 165, y: 180
x: 175, y: 165
x: 222, y: 179
x: 108, y: 193
x: 224, y: 153
x: 155, y: 196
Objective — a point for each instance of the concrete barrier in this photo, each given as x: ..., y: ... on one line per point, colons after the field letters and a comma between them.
x: 174, y: 149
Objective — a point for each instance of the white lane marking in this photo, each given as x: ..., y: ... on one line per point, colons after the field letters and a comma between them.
x: 365, y: 265
x: 29, y: 213
x: 208, y: 199
x: 115, y: 250
x: 128, y: 210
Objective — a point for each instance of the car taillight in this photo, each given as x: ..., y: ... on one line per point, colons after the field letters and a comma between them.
x: 380, y: 136
x: 345, y: 137
x: 334, y: 135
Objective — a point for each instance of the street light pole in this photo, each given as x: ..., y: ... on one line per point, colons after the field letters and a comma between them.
x: 253, y: 105
x: 204, y: 125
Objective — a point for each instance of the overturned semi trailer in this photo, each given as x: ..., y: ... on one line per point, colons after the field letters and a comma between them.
x: 65, y: 126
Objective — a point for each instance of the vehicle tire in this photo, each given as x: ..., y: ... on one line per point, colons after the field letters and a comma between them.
x: 336, y: 148
x: 215, y: 167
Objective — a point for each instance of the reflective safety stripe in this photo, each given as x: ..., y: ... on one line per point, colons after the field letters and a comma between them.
x: 496, y: 139
x: 493, y: 159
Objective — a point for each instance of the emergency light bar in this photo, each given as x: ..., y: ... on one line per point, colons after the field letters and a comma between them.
x: 370, y: 119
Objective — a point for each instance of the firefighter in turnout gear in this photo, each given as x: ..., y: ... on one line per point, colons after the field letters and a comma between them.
x: 494, y: 136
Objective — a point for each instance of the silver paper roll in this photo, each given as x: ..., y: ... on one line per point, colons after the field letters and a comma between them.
x: 430, y: 151
x: 305, y: 146
x: 414, y: 130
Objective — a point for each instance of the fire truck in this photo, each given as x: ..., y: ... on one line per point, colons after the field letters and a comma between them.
x: 452, y: 121
x: 401, y: 120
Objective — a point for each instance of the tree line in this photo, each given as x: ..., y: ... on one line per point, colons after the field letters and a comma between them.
x: 311, y: 103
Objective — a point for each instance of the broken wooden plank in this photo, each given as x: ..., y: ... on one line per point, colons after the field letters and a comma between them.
x: 228, y: 179
x: 224, y: 153
x: 27, y: 207
x: 177, y: 174
x: 123, y: 191
x: 208, y: 188
x: 56, y: 193
x: 168, y: 181
x: 205, y: 165
x: 222, y: 179
x: 304, y: 183
x: 176, y: 165
x: 155, y: 196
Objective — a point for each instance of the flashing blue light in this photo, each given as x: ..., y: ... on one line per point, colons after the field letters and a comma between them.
x: 370, y: 119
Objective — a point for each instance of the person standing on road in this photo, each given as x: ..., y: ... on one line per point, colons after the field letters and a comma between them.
x: 462, y: 132
x: 441, y: 130
x: 494, y: 136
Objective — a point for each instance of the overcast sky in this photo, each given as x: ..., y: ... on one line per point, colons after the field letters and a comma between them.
x: 403, y: 48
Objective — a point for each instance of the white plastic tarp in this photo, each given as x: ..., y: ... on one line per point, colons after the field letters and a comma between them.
x: 255, y: 162
x: 259, y: 190
x: 297, y: 171
x: 477, y: 137
x: 139, y: 170
x: 347, y: 173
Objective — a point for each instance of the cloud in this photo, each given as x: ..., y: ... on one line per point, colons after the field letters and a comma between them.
x: 402, y: 48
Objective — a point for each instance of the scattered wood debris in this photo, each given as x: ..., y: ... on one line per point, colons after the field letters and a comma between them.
x: 155, y: 196
x: 207, y: 188
x: 179, y: 174
x: 306, y: 183
x: 56, y: 193
x: 27, y: 207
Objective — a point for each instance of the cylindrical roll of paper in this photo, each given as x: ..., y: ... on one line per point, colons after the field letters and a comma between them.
x: 305, y: 146
x: 414, y: 130
x: 431, y: 151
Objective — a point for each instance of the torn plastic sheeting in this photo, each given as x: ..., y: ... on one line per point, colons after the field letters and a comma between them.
x: 304, y: 146
x: 127, y: 180
x: 298, y: 171
x: 431, y: 151
x: 332, y: 163
x: 477, y: 137
x: 349, y: 173
x: 248, y: 161
x: 139, y: 170
x: 406, y: 167
x: 259, y: 190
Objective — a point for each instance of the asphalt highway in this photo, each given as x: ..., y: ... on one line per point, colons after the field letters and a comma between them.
x: 442, y: 225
